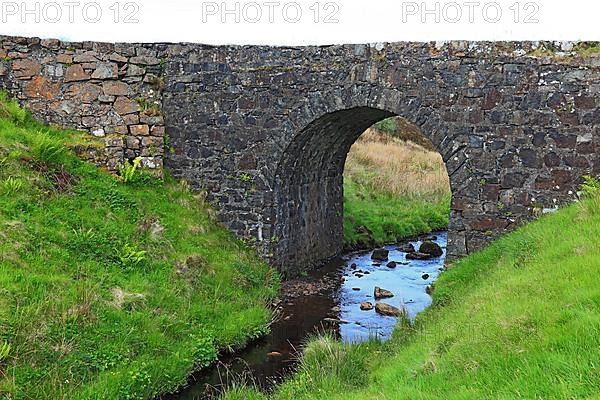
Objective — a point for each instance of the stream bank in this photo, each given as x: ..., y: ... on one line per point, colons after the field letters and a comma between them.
x: 330, y: 299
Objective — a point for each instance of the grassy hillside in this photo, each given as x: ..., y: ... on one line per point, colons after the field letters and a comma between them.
x: 111, y: 289
x: 392, y: 188
x: 518, y: 320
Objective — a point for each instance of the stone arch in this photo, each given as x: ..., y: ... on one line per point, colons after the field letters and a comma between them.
x: 308, y: 183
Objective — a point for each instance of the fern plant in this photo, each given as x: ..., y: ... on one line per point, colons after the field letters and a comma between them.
x: 128, y: 170
x: 130, y: 256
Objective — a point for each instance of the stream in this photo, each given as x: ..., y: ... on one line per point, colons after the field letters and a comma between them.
x: 327, y: 299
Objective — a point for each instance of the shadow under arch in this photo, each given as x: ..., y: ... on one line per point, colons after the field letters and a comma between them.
x: 308, y: 188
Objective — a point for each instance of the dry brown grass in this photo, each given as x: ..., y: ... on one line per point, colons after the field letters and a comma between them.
x: 398, y: 167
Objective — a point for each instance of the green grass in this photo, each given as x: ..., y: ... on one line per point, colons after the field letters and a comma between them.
x: 111, y: 290
x: 387, y: 216
x: 518, y: 320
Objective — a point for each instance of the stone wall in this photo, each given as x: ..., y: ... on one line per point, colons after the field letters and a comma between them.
x: 265, y: 130
x: 114, y: 91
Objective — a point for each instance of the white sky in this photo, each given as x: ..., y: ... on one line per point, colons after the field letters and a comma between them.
x: 351, y: 21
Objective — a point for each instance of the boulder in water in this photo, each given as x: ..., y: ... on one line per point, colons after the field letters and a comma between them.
x: 392, y: 264
x: 388, y: 310
x: 380, y: 293
x: 366, y: 306
x: 380, y: 254
x: 432, y: 248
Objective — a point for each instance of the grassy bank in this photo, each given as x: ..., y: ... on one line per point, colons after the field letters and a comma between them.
x: 518, y: 320
x: 392, y: 188
x: 111, y: 289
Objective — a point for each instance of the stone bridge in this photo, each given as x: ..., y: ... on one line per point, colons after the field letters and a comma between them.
x: 265, y: 130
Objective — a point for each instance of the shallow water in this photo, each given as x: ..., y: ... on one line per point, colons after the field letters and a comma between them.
x: 328, y: 299
x: 405, y: 281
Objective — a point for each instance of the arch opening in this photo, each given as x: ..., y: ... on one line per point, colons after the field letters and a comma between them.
x: 309, y: 188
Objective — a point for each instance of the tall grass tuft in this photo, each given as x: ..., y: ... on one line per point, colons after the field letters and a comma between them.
x: 10, y: 110
x: 47, y: 150
x: 325, y: 358
x: 4, y: 351
x: 11, y: 185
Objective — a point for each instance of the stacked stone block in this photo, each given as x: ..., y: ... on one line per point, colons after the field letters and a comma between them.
x: 113, y: 91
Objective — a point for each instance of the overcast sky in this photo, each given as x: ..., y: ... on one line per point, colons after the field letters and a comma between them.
x: 301, y: 22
